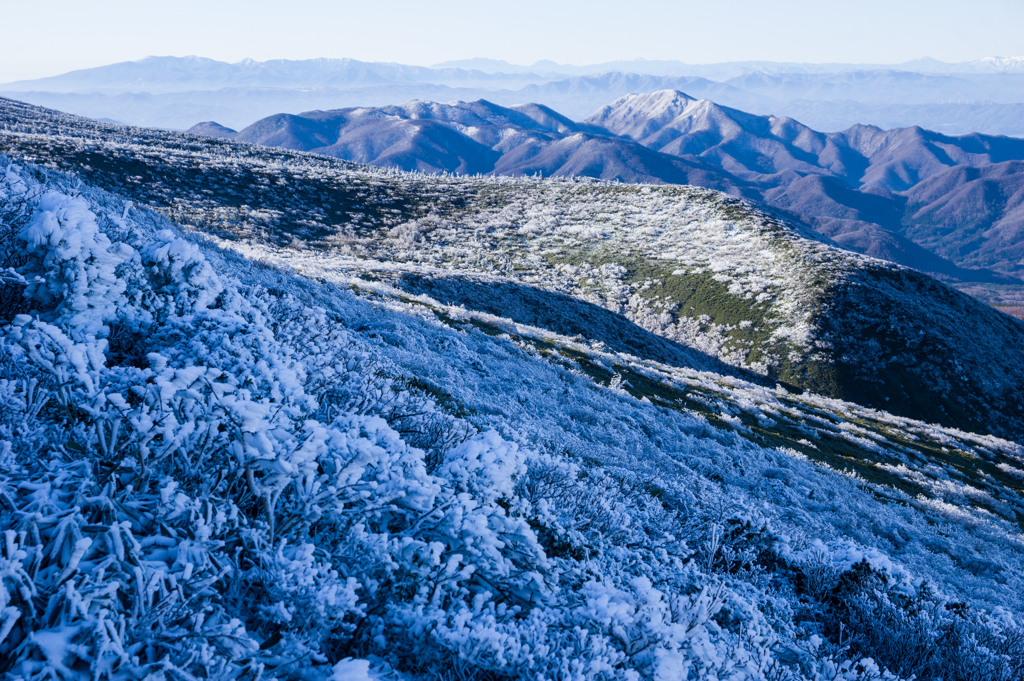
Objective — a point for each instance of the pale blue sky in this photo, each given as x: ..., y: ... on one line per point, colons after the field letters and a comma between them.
x: 46, y: 37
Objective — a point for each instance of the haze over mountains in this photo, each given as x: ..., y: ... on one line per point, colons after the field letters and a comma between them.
x: 730, y: 69
x: 981, y: 96
x: 944, y: 205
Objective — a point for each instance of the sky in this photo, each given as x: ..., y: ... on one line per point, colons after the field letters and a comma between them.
x: 48, y: 37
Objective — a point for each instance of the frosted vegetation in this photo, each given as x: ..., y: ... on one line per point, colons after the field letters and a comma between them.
x: 215, y: 465
x: 212, y: 468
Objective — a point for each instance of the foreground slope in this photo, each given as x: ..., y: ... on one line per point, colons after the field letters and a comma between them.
x: 690, y: 265
x: 211, y: 467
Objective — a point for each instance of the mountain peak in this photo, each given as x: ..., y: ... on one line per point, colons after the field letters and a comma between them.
x: 640, y: 115
x: 212, y: 129
x: 653, y: 102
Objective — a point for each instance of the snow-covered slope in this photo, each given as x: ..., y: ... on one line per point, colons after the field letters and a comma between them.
x: 691, y: 265
x: 225, y: 459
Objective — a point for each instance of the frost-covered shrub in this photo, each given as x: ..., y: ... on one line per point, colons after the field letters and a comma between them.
x: 867, y: 606
x: 15, y: 210
x: 189, y: 511
x: 71, y: 268
x: 730, y: 538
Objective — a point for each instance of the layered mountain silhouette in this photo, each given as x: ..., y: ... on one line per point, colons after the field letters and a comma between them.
x: 722, y: 70
x: 950, y: 206
x: 174, y: 92
x: 781, y: 80
x: 159, y: 75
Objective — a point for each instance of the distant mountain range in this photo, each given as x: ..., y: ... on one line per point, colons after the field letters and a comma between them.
x: 726, y: 70
x: 158, y: 75
x: 950, y: 206
x: 982, y: 96
x: 161, y: 75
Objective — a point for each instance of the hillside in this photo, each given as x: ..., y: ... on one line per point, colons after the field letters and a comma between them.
x: 283, y: 435
x: 848, y: 183
x: 862, y: 187
x: 711, y: 273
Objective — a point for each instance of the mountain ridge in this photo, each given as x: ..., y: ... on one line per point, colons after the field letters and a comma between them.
x: 159, y: 90
x: 856, y: 186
